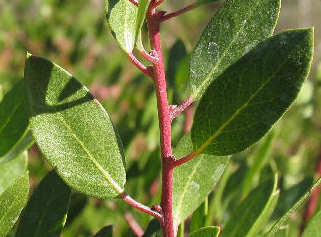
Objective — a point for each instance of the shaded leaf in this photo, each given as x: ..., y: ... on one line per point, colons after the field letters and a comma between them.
x: 141, y: 13
x: 241, y: 105
x: 46, y: 212
x: 75, y: 134
x: 107, y: 231
x: 211, y: 231
x: 12, y: 201
x: 77, y: 204
x: 121, y: 17
x: 12, y: 170
x: 252, y: 213
x: 194, y: 180
x: 314, y: 226
x: 237, y: 27
x: 13, y: 118
x: 153, y: 229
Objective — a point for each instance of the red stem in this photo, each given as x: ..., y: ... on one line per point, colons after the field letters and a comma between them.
x: 181, y: 108
x: 139, y: 65
x: 179, y: 12
x: 188, y: 119
x: 134, y: 225
x: 185, y: 159
x: 153, y: 22
x: 134, y: 2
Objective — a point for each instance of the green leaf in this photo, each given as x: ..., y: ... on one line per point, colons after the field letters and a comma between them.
x: 12, y: 201
x: 211, y: 231
x: 252, y: 213
x: 201, y: 2
x: 314, y: 226
x: 1, y: 93
x: 194, y: 180
x: 153, y: 229
x: 13, y: 118
x: 237, y: 27
x: 274, y: 229
x: 198, y: 217
x: 121, y: 17
x: 73, y: 131
x: 241, y: 105
x: 12, y: 170
x: 46, y: 212
x: 141, y: 13
x: 107, y: 231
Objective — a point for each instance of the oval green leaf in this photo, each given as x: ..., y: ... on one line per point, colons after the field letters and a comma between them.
x: 252, y: 213
x: 12, y: 201
x: 121, y: 17
x: 211, y: 231
x: 46, y: 211
x: 73, y: 131
x: 13, y: 118
x: 241, y: 105
x: 194, y: 180
x: 12, y: 170
x: 314, y: 226
x: 237, y: 27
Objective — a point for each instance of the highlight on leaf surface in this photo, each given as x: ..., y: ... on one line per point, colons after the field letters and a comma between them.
x: 73, y: 131
x: 243, y: 103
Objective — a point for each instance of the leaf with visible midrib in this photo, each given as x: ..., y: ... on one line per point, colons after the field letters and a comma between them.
x: 73, y: 131
x: 12, y: 201
x: 211, y: 231
x: 194, y: 180
x: 13, y: 118
x: 314, y: 226
x: 242, y: 104
x: 121, y: 17
x: 237, y: 27
x: 46, y: 212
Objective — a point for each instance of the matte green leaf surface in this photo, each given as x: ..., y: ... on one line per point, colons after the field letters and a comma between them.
x: 194, y: 180
x: 12, y: 201
x: 12, y: 170
x: 107, y: 231
x: 141, y: 13
x: 46, y: 212
x: 241, y: 105
x: 201, y: 2
x: 249, y: 216
x: 211, y: 231
x: 13, y: 118
x: 121, y: 16
x: 73, y: 131
x: 314, y: 227
x: 237, y: 27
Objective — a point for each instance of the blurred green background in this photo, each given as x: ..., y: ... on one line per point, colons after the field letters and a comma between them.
x: 74, y: 34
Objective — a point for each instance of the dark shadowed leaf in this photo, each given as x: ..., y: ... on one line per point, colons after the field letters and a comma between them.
x: 211, y: 231
x: 13, y: 118
x: 194, y: 180
x: 153, y: 229
x: 240, y: 106
x: 73, y: 131
x: 12, y: 201
x: 107, y: 231
x: 46, y: 212
x: 237, y: 27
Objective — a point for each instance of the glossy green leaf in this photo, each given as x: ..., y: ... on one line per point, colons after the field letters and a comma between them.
x: 13, y: 118
x: 12, y: 201
x: 46, y: 212
x: 241, y: 105
x: 211, y: 231
x: 194, y: 180
x: 275, y: 228
x: 237, y: 27
x: 314, y: 226
x: 251, y: 214
x: 121, y: 16
x: 141, y: 13
x: 12, y: 170
x: 107, y: 231
x: 73, y: 131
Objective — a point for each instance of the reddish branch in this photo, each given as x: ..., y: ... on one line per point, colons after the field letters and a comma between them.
x: 134, y: 225
x: 134, y: 2
x: 179, y: 12
x: 139, y: 65
x: 179, y: 109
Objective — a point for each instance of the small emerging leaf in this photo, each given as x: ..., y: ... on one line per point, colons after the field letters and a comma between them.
x: 46, y: 212
x: 314, y: 226
x: 107, y: 231
x: 12, y: 201
x: 73, y: 131
x: 211, y: 231
x: 243, y: 103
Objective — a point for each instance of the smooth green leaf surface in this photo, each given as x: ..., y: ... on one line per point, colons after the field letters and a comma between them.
x: 141, y: 13
x: 211, y: 231
x: 194, y: 180
x: 201, y: 2
x: 121, y: 16
x: 314, y: 226
x: 153, y: 229
x: 253, y: 212
x: 237, y: 27
x: 13, y: 118
x: 12, y: 201
x: 12, y: 170
x: 73, y: 131
x: 46, y: 212
x: 241, y: 105
x: 107, y: 231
